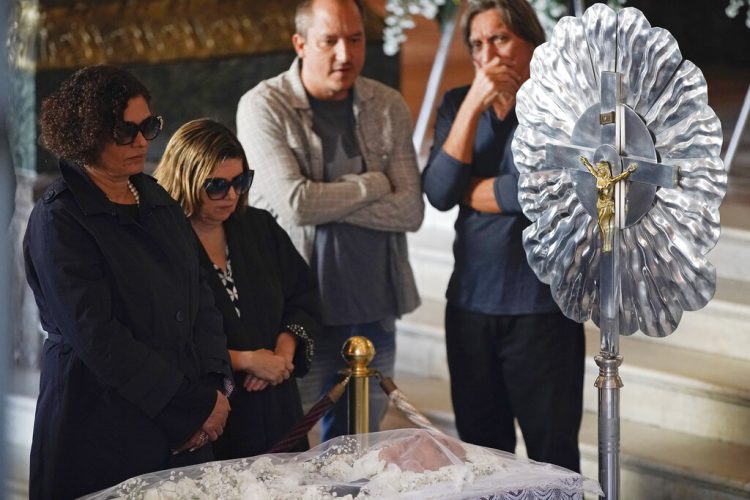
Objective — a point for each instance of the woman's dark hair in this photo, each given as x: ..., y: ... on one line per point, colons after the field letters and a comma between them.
x: 78, y: 118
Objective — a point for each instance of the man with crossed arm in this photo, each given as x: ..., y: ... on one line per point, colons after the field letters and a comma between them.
x: 335, y: 164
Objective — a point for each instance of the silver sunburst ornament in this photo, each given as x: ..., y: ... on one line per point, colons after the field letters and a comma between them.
x: 610, y: 88
x: 618, y: 155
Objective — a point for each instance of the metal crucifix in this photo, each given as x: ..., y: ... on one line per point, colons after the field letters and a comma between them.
x: 605, y: 93
x: 611, y: 135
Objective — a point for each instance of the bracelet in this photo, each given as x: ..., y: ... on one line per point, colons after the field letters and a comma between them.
x: 299, y: 332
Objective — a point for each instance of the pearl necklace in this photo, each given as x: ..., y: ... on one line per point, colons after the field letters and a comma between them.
x: 135, y: 193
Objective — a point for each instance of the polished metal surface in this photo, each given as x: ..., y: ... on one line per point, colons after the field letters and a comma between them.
x: 358, y: 352
x: 359, y: 405
x: 608, y: 382
x: 672, y: 216
x: 638, y: 146
x: 610, y: 90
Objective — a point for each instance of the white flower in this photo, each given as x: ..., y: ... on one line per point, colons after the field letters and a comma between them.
x: 733, y: 9
x: 401, y: 18
x: 369, y: 465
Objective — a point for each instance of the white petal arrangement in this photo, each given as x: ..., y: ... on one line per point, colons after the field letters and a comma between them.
x: 733, y: 9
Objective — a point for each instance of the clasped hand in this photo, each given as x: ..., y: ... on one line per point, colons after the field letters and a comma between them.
x: 266, y: 367
x: 495, y: 84
x: 212, y: 428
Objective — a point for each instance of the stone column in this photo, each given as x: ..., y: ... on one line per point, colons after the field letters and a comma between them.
x: 22, y: 135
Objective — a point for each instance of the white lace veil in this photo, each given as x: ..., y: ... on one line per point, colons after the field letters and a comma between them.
x: 398, y: 464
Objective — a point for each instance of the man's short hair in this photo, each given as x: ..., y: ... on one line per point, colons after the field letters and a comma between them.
x: 518, y: 15
x: 304, y: 11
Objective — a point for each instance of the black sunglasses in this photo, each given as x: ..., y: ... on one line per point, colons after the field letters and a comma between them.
x: 217, y: 188
x: 126, y: 132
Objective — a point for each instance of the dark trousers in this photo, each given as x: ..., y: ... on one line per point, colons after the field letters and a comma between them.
x: 527, y: 367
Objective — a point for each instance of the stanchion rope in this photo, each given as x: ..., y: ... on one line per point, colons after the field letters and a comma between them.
x: 311, y: 418
x: 398, y: 398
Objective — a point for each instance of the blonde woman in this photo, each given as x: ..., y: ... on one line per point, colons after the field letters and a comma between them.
x: 262, y: 286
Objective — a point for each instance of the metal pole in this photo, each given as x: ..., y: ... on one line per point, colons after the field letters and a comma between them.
x: 608, y: 382
x: 359, y: 405
x: 578, y: 8
x: 433, y: 84
x: 609, y: 360
x: 738, y: 128
x: 358, y: 352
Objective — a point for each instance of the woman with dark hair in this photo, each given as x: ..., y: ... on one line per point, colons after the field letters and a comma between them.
x: 263, y: 287
x: 135, y: 361
x: 512, y: 354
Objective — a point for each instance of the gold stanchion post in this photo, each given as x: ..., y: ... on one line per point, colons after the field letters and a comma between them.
x: 358, y: 352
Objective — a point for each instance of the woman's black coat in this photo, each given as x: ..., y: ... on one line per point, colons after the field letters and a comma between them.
x: 276, y: 289
x: 136, y: 349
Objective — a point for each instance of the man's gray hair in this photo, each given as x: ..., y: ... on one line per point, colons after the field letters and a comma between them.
x: 518, y: 15
x: 304, y: 11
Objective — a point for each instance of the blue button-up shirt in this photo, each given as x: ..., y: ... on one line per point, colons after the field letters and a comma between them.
x: 491, y: 274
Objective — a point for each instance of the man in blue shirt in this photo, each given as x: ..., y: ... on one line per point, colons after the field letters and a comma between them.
x: 511, y: 352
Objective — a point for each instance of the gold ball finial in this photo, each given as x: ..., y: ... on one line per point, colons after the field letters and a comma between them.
x: 358, y: 352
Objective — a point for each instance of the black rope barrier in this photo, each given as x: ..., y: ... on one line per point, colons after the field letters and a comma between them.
x: 319, y: 409
x: 311, y: 418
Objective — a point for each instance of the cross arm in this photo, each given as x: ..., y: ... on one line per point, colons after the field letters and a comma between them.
x: 566, y: 157
x: 651, y: 172
x: 647, y: 171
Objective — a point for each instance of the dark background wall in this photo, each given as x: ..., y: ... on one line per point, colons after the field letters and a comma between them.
x: 185, y: 90
x: 705, y: 34
x: 197, y: 57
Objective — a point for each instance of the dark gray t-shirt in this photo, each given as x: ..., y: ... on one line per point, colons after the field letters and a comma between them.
x: 350, y: 262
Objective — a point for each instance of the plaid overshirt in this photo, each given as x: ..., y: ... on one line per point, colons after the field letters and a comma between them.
x: 275, y: 126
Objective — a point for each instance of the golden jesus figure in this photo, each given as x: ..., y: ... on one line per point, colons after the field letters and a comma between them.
x: 605, y: 202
